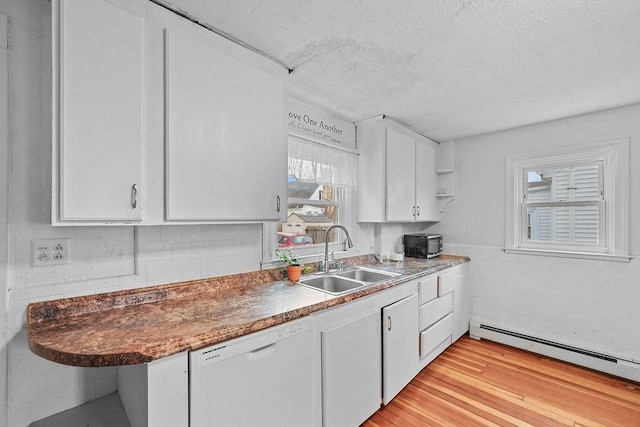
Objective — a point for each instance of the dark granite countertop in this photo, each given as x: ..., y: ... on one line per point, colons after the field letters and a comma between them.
x: 146, y: 324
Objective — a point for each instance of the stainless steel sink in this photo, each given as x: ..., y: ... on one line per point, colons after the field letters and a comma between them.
x: 344, y: 281
x: 365, y: 275
x: 332, y: 284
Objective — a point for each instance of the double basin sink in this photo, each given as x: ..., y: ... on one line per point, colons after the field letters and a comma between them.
x: 344, y: 281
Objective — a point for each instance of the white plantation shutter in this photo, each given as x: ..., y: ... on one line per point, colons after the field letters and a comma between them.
x: 562, y: 217
x: 586, y: 181
x: 577, y: 224
x: 540, y: 218
x: 586, y: 224
x: 563, y: 204
x: 587, y: 184
x: 562, y: 226
x: 544, y: 218
x: 561, y: 184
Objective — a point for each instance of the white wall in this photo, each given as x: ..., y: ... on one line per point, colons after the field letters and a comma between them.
x: 4, y: 175
x: 587, y: 304
x: 103, y: 258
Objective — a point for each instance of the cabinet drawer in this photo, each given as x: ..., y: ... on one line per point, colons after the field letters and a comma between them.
x: 428, y: 289
x: 446, y: 283
x: 435, y: 310
x: 435, y: 335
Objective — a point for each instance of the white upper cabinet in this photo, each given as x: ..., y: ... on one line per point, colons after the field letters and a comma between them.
x: 97, y: 112
x: 159, y: 120
x: 401, y: 176
x: 396, y: 174
x: 426, y: 182
x: 226, y: 144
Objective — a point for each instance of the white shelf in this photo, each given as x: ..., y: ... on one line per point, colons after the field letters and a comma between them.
x: 446, y: 173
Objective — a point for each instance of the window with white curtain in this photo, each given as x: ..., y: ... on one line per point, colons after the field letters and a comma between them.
x: 321, y: 182
x: 570, y: 202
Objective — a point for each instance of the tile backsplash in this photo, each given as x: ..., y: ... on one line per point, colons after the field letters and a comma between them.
x: 160, y: 254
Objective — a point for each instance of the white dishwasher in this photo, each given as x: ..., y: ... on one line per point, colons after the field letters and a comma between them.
x: 261, y: 379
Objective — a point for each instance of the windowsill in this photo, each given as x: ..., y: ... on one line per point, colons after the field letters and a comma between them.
x: 566, y: 254
x: 315, y: 257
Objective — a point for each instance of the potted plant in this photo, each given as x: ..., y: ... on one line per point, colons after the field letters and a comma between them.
x: 293, y: 262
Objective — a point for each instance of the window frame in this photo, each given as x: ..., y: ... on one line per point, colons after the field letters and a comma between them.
x: 600, y: 204
x: 346, y: 216
x: 613, y: 209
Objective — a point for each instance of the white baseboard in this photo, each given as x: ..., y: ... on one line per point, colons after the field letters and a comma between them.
x: 589, y: 359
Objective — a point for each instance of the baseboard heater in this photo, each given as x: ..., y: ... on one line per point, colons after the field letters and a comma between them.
x: 579, y: 356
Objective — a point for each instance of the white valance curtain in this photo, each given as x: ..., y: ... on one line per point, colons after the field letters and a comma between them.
x: 322, y: 163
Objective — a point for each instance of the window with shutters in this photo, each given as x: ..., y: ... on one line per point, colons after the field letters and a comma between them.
x: 571, y: 202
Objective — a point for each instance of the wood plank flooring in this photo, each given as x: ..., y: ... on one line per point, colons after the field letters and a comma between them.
x: 481, y: 383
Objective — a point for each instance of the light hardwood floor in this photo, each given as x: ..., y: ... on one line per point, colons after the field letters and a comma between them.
x: 480, y: 383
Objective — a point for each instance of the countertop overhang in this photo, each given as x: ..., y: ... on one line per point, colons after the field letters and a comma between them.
x: 145, y: 324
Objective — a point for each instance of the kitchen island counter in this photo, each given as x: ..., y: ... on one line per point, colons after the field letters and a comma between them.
x: 145, y: 324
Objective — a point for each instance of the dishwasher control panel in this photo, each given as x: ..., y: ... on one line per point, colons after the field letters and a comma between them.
x: 288, y: 330
x: 249, y: 344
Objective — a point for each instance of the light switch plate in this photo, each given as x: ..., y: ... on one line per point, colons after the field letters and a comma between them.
x: 50, y: 252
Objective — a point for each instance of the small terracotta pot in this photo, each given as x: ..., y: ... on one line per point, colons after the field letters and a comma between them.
x: 294, y: 272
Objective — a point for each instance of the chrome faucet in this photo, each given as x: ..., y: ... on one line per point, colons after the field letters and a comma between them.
x: 325, y: 265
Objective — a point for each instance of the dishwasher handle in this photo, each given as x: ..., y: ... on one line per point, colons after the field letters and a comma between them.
x: 262, y: 352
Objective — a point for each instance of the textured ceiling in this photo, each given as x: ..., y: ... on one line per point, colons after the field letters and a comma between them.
x: 446, y: 68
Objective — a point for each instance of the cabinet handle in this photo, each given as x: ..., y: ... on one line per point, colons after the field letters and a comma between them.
x: 418, y: 214
x: 278, y: 203
x: 134, y: 196
x: 389, y: 322
x: 413, y: 211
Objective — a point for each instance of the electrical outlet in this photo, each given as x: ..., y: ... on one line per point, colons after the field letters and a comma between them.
x: 50, y: 252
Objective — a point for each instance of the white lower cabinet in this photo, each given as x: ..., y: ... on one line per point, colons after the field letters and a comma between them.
x: 444, y: 311
x: 400, y: 359
x: 351, y: 379
x: 461, y: 301
x: 435, y: 315
x: 356, y: 343
x: 156, y: 394
x: 336, y: 366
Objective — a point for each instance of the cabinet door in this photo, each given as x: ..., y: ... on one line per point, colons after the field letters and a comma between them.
x: 401, y: 175
x: 426, y: 182
x: 371, y: 177
x: 226, y: 142
x: 461, y: 305
x: 351, y: 364
x: 400, y: 346
x: 97, y: 110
